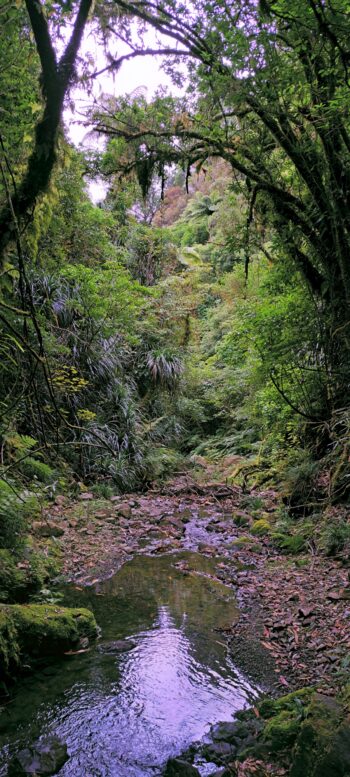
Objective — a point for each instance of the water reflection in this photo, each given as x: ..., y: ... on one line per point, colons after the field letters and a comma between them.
x: 123, y: 715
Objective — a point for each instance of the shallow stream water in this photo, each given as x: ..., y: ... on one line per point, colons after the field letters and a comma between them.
x: 123, y: 715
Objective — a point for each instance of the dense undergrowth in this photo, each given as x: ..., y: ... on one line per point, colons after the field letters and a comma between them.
x: 159, y: 352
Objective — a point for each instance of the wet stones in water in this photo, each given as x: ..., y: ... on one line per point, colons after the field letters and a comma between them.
x: 119, y: 646
x: 44, y: 758
x: 176, y: 767
x: 233, y: 732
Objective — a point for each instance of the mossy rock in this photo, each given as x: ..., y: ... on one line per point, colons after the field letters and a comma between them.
x: 282, y: 730
x: 322, y: 748
x: 296, y: 700
x: 261, y: 527
x: 36, y: 631
x: 314, y: 730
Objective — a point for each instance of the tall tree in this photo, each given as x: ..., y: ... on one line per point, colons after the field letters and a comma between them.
x: 55, y: 78
x: 271, y: 96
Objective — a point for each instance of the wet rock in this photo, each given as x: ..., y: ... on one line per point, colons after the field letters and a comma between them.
x: 45, y: 757
x: 218, y: 752
x: 176, y: 767
x: 118, y: 646
x: 322, y: 748
x: 227, y: 732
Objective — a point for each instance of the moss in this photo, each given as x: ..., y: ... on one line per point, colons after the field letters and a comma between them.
x: 292, y: 543
x: 241, y: 519
x: 9, y: 648
x: 246, y: 542
x: 260, y: 527
x: 33, y: 631
x: 22, y: 576
x: 316, y: 753
x: 296, y: 699
x: 12, y: 579
x: 282, y: 730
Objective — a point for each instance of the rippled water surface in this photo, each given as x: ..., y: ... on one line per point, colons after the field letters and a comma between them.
x: 123, y: 715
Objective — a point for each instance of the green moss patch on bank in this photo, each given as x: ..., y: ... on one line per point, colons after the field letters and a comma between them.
x: 307, y: 732
x: 23, y: 574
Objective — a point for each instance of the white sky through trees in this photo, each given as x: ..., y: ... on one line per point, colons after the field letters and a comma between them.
x: 143, y: 71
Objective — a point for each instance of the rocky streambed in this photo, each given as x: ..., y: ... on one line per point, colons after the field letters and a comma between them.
x: 188, y: 640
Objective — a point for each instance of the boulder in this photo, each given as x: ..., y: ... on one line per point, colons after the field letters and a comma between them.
x: 36, y: 631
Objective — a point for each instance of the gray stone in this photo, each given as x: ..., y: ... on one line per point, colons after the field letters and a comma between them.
x: 119, y: 646
x: 227, y: 732
x: 218, y: 752
x: 44, y: 758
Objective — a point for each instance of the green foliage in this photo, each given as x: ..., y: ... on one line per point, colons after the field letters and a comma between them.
x: 13, y: 518
x: 335, y: 537
x: 165, y: 368
x: 160, y: 462
x: 23, y: 574
x: 38, y: 470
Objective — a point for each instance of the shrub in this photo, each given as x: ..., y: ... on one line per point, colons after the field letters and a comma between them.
x: 33, y: 468
x: 335, y: 537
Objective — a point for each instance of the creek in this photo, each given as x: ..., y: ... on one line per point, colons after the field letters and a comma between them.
x: 123, y: 714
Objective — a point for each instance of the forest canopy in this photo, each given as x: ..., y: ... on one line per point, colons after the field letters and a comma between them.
x: 220, y: 256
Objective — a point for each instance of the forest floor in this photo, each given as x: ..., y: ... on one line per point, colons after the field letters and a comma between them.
x: 294, y: 610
